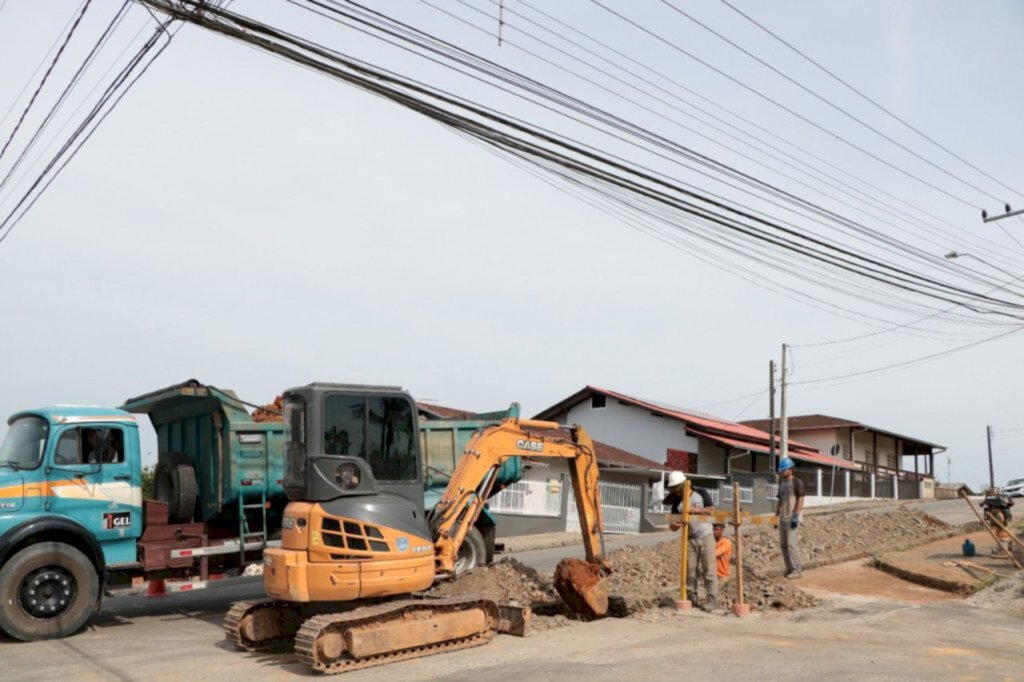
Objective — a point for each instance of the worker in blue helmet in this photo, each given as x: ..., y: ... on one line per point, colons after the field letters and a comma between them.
x: 788, y: 508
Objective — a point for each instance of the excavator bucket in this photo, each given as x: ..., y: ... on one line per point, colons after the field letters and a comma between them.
x: 582, y: 587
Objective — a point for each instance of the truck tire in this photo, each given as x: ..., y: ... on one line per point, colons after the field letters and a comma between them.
x: 49, y: 590
x: 174, y: 482
x: 472, y: 553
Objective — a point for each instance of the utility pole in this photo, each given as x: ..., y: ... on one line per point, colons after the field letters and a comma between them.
x: 784, y: 447
x: 991, y: 473
x: 772, y: 465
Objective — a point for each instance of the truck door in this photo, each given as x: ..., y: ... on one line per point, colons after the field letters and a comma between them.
x: 91, y: 480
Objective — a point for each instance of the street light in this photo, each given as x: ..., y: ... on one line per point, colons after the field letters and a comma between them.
x: 952, y: 255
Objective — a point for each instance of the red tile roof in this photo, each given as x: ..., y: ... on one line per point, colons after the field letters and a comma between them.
x: 804, y: 422
x: 608, y: 454
x: 442, y: 412
x: 706, y: 424
x: 812, y: 422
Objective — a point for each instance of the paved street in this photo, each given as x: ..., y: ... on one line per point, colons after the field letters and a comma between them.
x: 180, y: 637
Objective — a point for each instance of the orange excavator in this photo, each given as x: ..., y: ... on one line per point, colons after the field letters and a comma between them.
x: 355, y: 537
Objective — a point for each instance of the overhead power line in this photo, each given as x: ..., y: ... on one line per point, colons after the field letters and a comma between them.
x: 867, y: 98
x: 46, y: 76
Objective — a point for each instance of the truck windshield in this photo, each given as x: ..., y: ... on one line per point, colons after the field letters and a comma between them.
x: 23, y: 446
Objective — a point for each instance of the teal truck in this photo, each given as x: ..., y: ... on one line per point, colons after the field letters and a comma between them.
x: 74, y: 525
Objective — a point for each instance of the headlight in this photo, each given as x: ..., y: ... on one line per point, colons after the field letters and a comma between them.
x: 347, y: 475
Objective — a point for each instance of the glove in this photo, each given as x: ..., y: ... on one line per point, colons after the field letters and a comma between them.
x: 794, y: 522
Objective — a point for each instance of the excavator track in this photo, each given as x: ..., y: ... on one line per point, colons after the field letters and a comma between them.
x: 364, y: 637
x: 280, y: 620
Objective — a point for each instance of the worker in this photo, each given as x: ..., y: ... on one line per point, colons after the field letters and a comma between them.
x: 701, y: 551
x: 723, y: 551
x: 788, y: 509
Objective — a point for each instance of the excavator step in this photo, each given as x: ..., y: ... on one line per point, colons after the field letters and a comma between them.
x: 394, y: 631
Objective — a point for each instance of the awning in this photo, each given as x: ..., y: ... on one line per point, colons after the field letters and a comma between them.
x: 762, y: 448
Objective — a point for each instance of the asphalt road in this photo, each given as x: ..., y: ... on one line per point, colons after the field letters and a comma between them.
x: 179, y: 637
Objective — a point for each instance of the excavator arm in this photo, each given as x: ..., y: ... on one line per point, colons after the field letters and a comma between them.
x: 580, y: 583
x: 471, y: 482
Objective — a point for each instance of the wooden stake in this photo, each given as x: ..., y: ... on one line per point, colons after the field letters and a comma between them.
x: 740, y: 608
x: 990, y: 531
x: 684, y: 540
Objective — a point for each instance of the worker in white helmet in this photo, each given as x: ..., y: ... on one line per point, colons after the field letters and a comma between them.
x: 700, y: 556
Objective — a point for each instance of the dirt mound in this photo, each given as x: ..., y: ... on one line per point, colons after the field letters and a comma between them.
x: 271, y: 412
x: 828, y: 538
x: 507, y: 581
x: 646, y: 577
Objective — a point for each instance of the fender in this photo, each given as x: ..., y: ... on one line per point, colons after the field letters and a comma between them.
x: 53, y: 527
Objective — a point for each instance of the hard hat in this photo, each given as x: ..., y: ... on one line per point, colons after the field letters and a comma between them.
x: 785, y: 464
x: 675, y: 478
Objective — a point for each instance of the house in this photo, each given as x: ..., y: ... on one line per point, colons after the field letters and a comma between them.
x: 894, y: 459
x: 687, y: 440
x: 542, y: 500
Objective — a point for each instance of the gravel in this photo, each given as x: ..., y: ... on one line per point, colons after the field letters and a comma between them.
x: 646, y: 578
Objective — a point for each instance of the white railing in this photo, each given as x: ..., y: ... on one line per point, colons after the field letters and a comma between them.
x: 528, y: 498
x: 621, y: 508
x: 746, y: 495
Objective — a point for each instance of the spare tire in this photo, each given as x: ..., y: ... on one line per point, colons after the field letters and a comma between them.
x: 175, y: 484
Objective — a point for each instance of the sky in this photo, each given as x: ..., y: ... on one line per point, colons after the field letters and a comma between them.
x: 258, y: 226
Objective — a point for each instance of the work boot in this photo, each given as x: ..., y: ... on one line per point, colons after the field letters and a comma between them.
x: 795, y: 575
x: 709, y: 606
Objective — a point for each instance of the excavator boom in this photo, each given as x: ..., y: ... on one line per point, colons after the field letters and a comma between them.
x: 579, y: 582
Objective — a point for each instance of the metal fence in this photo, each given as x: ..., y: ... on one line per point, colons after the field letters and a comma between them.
x: 621, y: 507
x: 746, y: 494
x: 883, y: 487
x: 860, y: 484
x: 810, y: 479
x: 529, y: 498
x: 909, y: 490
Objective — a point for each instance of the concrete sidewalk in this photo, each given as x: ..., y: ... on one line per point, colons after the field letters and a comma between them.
x: 942, y: 565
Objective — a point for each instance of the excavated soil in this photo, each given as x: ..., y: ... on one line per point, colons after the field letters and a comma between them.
x: 646, y: 578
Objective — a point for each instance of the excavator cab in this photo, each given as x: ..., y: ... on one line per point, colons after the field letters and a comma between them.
x: 355, y: 527
x: 355, y: 533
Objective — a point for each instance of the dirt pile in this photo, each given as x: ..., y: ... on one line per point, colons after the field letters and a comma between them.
x: 271, y: 412
x: 646, y: 577
x: 506, y: 581
x: 828, y: 538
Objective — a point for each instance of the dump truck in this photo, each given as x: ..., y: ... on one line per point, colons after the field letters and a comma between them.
x: 74, y: 525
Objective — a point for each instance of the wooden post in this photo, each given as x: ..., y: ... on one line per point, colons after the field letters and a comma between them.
x: 684, y: 539
x: 740, y: 607
x: 991, y: 532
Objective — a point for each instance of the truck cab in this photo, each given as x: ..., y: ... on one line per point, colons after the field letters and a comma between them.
x: 70, y: 508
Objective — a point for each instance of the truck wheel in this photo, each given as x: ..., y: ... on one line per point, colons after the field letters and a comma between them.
x: 49, y: 591
x: 472, y: 553
x: 175, y: 484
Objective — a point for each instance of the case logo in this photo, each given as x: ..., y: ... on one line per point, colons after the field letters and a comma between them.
x: 116, y: 520
x: 530, y: 445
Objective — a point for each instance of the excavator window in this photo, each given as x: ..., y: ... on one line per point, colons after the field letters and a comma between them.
x: 379, y: 429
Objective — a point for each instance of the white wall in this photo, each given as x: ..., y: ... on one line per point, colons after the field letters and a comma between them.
x: 633, y: 429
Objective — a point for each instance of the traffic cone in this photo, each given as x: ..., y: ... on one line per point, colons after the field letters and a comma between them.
x: 156, y: 588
